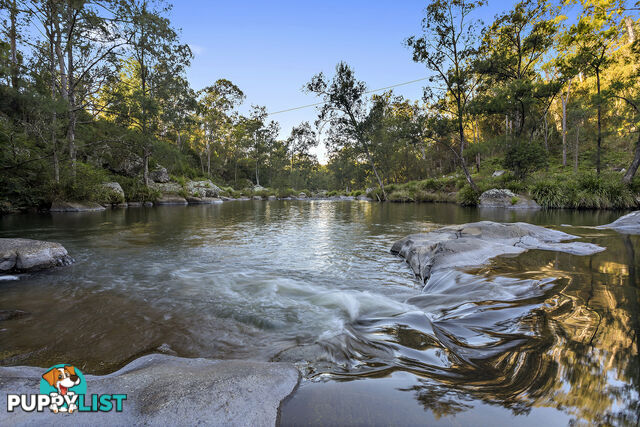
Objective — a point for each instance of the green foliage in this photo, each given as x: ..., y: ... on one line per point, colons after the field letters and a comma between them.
x: 524, y: 157
x: 135, y: 190
x: 515, y: 200
x: 467, y: 196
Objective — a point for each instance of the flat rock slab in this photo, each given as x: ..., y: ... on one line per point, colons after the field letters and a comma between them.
x: 474, y: 244
x: 628, y: 224
x: 506, y: 199
x: 22, y: 255
x: 59, y: 206
x: 168, y: 390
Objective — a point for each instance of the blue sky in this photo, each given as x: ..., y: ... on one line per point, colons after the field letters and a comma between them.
x: 271, y: 48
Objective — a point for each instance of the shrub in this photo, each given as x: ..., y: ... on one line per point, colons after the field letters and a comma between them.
x: 467, y: 196
x: 399, y: 196
x: 136, y: 191
x: 514, y: 200
x: 548, y: 194
x: 524, y: 156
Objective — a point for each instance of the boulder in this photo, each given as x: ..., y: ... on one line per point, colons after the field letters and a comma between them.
x: 167, y: 390
x: 31, y: 255
x: 203, y: 200
x: 134, y: 204
x: 61, y: 206
x: 115, y: 191
x: 148, y: 204
x: 166, y: 187
x: 159, y: 174
x: 258, y: 188
x: 474, y: 244
x: 204, y: 188
x: 497, y: 173
x: 302, y: 195
x: 627, y: 224
x: 130, y: 165
x: 170, y: 199
x: 503, y: 198
x: 272, y: 197
x: 256, y: 198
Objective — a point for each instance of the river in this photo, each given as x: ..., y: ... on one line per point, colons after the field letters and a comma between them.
x: 543, y: 337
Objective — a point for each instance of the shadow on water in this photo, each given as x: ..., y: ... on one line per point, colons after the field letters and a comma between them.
x: 549, y: 335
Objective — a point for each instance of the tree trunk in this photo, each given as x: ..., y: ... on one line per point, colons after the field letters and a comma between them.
x: 71, y: 133
x: 575, y: 149
x: 599, y: 123
x: 565, y: 101
x: 13, y: 15
x: 375, y: 172
x: 209, y: 160
x: 633, y: 168
x: 462, y: 161
x: 257, y: 175
x: 147, y: 154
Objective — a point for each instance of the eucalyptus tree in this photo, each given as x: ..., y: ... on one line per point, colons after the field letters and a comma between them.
x: 509, y: 59
x: 447, y: 47
x: 155, y: 46
x: 301, y: 140
x: 214, y: 105
x: 593, y: 37
x: 263, y: 135
x: 346, y: 109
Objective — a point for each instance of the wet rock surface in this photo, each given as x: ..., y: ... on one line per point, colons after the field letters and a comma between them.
x: 474, y: 244
x: 628, y: 224
x: 24, y: 255
x: 168, y: 390
x: 503, y: 198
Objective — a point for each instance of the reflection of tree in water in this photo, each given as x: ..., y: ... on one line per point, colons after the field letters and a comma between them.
x: 575, y: 350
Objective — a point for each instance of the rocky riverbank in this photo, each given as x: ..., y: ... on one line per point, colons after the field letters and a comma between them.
x: 26, y: 255
x: 168, y: 390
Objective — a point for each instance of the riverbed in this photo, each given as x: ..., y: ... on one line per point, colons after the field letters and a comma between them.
x: 542, y: 337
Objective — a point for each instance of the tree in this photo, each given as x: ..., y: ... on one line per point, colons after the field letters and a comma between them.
x: 593, y: 37
x: 345, y: 109
x: 216, y: 101
x: 158, y: 54
x: 301, y: 140
x: 447, y: 47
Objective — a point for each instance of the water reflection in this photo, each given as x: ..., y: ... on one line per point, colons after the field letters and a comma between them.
x: 314, y: 283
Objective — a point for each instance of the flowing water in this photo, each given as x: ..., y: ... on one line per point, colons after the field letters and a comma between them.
x: 543, y: 337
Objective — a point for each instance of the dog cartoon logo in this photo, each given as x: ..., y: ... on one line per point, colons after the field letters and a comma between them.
x: 63, y: 380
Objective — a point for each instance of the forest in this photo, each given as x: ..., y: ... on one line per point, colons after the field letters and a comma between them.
x: 544, y: 101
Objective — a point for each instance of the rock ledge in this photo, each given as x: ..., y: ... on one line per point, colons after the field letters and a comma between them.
x: 23, y: 255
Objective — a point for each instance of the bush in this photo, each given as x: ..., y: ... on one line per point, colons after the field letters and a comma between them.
x: 136, y: 191
x: 524, y: 157
x: 548, y: 194
x: 400, y: 196
x: 467, y: 196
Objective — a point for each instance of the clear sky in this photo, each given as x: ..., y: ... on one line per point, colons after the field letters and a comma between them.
x: 270, y: 49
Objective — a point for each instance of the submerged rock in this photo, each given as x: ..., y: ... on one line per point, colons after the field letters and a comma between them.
x: 628, y: 224
x: 168, y: 390
x: 61, y: 206
x: 31, y: 255
x: 474, y: 244
x: 503, y: 198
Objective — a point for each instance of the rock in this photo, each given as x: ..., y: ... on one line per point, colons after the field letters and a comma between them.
x: 302, y: 195
x: 474, y: 244
x: 497, y: 173
x: 627, y: 224
x: 114, y: 191
x: 60, y: 206
x: 226, y: 199
x: 121, y: 205
x: 503, y: 198
x: 170, y: 199
x: 12, y: 314
x: 166, y: 187
x: 159, y: 174
x: 271, y: 197
x: 31, y: 255
x: 148, y: 204
x: 363, y: 197
x: 256, y: 198
x: 204, y: 188
x: 203, y: 200
x: 134, y: 204
x: 168, y: 390
x: 130, y: 166
x: 258, y: 188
